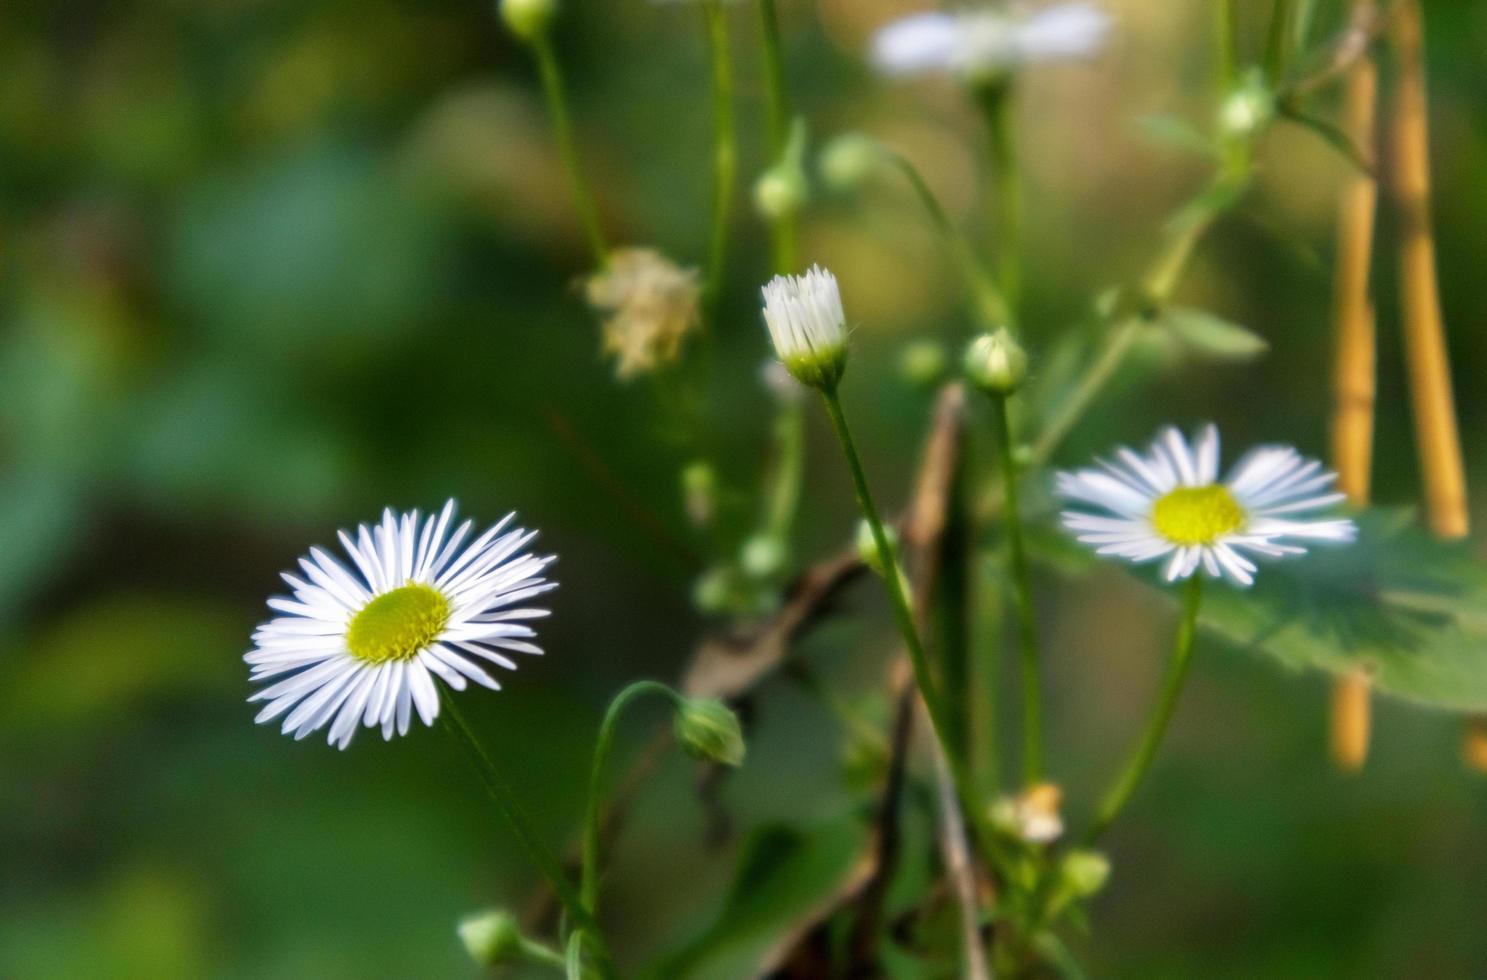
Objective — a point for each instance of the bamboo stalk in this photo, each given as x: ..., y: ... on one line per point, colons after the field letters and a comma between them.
x: 1426, y: 355
x: 1355, y: 378
x: 1424, y: 332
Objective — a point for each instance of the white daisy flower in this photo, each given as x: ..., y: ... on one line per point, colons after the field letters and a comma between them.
x: 982, y: 43
x: 1170, y: 504
x: 364, y: 644
x: 807, y: 326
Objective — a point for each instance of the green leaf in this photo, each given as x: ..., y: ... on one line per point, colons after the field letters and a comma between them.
x: 1178, y: 134
x: 1211, y: 336
x: 783, y: 872
x: 1408, y: 608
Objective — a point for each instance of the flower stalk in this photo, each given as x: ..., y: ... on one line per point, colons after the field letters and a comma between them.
x: 1140, y: 761
x: 1022, y: 599
x: 554, y: 90
x: 526, y: 834
x: 997, y: 107
x: 782, y: 229
x: 725, y: 150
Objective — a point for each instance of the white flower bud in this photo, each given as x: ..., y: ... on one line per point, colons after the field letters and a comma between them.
x: 807, y: 326
x: 996, y: 363
x: 763, y: 556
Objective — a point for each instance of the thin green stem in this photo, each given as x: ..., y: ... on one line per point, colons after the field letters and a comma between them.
x: 521, y: 826
x: 1177, y: 669
x: 1117, y: 344
x: 603, y: 749
x: 903, y: 613
x: 782, y: 496
x: 991, y: 307
x: 1278, y: 41
x: 998, y: 105
x: 1022, y: 597
x: 782, y: 231
x: 1226, y: 48
x: 562, y: 123
x: 725, y: 149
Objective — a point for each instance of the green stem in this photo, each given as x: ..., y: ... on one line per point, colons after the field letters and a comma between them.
x: 782, y: 231
x: 1278, y: 41
x: 521, y: 825
x: 603, y: 748
x: 782, y: 498
x: 725, y: 148
x: 991, y: 306
x: 562, y: 123
x: 1226, y: 49
x: 1177, y: 669
x: 997, y: 105
x: 1117, y: 344
x: 1022, y: 595
x: 902, y: 613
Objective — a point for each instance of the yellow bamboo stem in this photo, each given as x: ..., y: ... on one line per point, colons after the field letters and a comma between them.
x: 1355, y: 378
x: 1424, y: 332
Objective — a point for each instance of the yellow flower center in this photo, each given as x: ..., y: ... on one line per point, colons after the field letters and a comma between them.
x: 397, y: 624
x: 1197, y: 515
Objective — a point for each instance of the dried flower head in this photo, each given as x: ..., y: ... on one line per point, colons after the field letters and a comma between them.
x: 649, y: 305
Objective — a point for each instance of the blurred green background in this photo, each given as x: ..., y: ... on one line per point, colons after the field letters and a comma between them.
x: 267, y: 266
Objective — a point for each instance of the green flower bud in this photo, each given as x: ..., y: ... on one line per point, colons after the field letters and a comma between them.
x: 779, y: 192
x: 1084, y: 873
x: 922, y: 363
x: 849, y: 160
x: 1248, y: 108
x: 709, y: 730
x: 528, y: 19
x: 714, y: 591
x: 491, y: 938
x: 867, y: 546
x: 763, y: 556
x: 996, y: 363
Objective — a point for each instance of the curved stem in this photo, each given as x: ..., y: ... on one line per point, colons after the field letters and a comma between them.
x: 521, y: 825
x: 725, y: 148
x: 562, y: 123
x: 990, y: 305
x: 1022, y: 593
x: 603, y: 748
x: 1177, y: 669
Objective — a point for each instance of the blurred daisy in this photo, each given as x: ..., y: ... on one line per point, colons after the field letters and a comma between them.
x: 362, y: 645
x: 1171, y: 504
x: 983, y: 43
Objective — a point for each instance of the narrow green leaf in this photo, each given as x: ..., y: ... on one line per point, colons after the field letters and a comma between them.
x: 1179, y: 134
x: 1211, y: 336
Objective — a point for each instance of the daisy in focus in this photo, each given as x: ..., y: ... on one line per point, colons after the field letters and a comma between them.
x: 363, y: 644
x: 1170, y: 504
x: 979, y: 44
x: 807, y: 326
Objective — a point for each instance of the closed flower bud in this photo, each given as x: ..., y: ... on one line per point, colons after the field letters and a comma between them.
x: 779, y: 192
x: 1248, y: 108
x: 762, y: 556
x: 867, y: 546
x: 492, y: 938
x: 996, y: 363
x: 1084, y: 873
x: 708, y: 729
x: 528, y: 19
x: 849, y: 160
x: 807, y: 326
x: 923, y: 363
